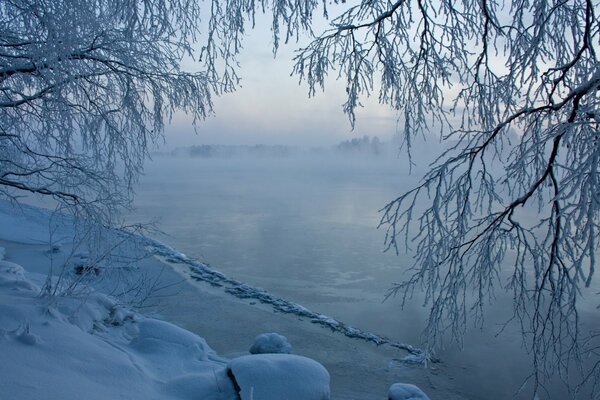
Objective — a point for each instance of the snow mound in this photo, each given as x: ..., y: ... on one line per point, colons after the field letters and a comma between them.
x: 11, y: 272
x: 2, y: 253
x: 406, y: 391
x: 169, y: 351
x: 280, y: 376
x: 271, y: 343
x: 12, y: 276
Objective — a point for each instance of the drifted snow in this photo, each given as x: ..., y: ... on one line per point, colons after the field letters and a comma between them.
x: 271, y: 343
x: 71, y: 348
x: 12, y: 276
x: 280, y: 376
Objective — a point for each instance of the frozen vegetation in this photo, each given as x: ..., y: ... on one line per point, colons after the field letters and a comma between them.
x: 266, y: 343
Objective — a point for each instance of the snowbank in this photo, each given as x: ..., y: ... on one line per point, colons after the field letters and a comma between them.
x: 78, y: 342
x: 280, y: 376
x: 63, y: 347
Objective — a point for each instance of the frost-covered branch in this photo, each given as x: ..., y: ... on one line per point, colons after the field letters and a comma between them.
x: 513, y: 203
x: 86, y: 87
x: 523, y: 84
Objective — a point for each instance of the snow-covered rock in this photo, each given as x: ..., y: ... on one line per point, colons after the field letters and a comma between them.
x: 280, y: 376
x: 271, y: 343
x: 406, y: 391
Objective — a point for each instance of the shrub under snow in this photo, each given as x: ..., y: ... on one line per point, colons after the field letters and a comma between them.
x: 271, y: 343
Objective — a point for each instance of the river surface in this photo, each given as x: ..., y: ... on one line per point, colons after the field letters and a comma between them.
x: 305, y: 229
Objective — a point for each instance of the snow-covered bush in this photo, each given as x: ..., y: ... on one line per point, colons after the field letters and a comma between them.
x: 271, y: 343
x: 12, y: 276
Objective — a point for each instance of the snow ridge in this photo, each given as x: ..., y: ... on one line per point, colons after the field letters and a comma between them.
x: 202, y: 272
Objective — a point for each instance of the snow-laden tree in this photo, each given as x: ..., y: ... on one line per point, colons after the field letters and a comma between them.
x: 86, y: 87
x: 513, y: 87
x: 514, y: 203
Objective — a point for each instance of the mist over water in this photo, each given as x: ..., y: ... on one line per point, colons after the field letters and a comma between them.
x: 303, y: 226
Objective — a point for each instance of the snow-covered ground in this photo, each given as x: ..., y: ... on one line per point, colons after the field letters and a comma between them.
x: 82, y: 337
x: 75, y: 348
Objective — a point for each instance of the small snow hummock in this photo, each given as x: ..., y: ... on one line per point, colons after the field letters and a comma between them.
x: 12, y: 276
x: 406, y: 391
x: 266, y: 343
x: 279, y: 376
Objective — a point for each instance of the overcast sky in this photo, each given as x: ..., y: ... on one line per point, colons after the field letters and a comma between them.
x: 272, y: 108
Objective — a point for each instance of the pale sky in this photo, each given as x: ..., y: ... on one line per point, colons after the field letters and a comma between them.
x: 272, y: 108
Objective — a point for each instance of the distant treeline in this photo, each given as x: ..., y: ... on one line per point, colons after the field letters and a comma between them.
x: 369, y: 146
x: 363, y: 145
x: 210, y: 151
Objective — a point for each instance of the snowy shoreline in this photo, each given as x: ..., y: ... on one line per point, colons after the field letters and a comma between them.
x: 359, y: 369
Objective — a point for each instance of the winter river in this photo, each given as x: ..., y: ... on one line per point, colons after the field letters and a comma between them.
x: 305, y: 230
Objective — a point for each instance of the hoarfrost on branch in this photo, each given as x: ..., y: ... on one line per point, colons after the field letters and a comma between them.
x: 513, y: 203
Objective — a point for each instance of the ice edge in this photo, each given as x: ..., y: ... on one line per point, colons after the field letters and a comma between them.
x: 201, y: 272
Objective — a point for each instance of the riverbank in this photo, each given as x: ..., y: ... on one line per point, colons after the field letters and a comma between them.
x: 358, y: 369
